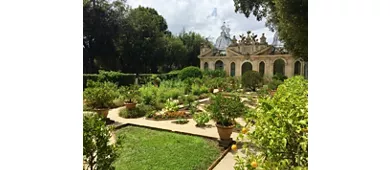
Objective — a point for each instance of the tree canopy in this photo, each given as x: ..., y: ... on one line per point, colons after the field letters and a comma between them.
x: 136, y: 40
x: 288, y: 17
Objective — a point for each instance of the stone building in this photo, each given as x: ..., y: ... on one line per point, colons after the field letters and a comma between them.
x: 248, y: 53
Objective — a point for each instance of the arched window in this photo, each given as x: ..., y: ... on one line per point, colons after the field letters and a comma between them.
x: 297, y: 68
x: 279, y: 66
x: 219, y: 65
x: 206, y: 66
x: 262, y: 68
x: 232, y: 69
x: 247, y: 66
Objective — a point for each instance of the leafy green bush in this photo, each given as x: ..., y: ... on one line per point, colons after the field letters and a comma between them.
x: 225, y: 109
x: 279, y: 76
x: 148, y: 94
x: 273, y: 85
x: 214, y: 73
x: 171, y: 105
x: 139, y: 111
x: 201, y: 119
x: 190, y: 72
x: 280, y: 136
x: 89, y: 77
x: 97, y: 153
x: 100, y: 94
x: 119, y: 78
x: 129, y: 93
x: 251, y: 80
x: 232, y: 83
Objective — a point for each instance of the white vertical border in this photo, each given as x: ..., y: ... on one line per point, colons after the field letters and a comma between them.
x: 41, y: 85
x: 349, y: 111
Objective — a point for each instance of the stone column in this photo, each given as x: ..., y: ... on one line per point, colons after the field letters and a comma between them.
x: 226, y: 67
x: 238, y: 68
x: 211, y: 65
x: 269, y: 68
x: 255, y: 66
x: 201, y: 65
x: 289, y: 68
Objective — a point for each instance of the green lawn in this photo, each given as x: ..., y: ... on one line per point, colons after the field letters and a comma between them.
x: 143, y: 148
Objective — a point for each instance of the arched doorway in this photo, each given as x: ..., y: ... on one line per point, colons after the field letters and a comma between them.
x: 219, y: 65
x: 262, y: 68
x: 297, y: 68
x: 279, y: 66
x: 232, y: 69
x: 247, y: 66
x: 206, y: 66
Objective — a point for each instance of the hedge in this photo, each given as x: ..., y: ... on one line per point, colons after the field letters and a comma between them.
x: 124, y: 79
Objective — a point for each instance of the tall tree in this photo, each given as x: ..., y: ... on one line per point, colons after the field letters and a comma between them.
x: 100, y: 28
x: 175, y: 53
x: 141, y: 39
x: 192, y: 41
x: 288, y: 17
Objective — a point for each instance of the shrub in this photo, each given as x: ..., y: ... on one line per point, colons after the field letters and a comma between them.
x: 89, y: 77
x: 119, y: 78
x: 190, y: 72
x: 129, y: 93
x: 251, y: 80
x: 280, y: 136
x: 214, y: 73
x: 180, y: 121
x: 97, y: 153
x: 225, y: 109
x: 100, y: 95
x: 279, y: 76
x: 201, y: 119
x: 171, y: 105
x: 139, y: 111
x: 117, y: 102
x: 273, y: 85
x: 148, y: 94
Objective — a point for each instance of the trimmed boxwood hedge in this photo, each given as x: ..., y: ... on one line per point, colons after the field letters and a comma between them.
x: 124, y: 79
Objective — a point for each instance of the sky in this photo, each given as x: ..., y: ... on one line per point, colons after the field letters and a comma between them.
x: 205, y: 17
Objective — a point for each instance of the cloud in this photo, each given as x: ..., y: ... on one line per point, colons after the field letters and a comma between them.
x: 199, y: 16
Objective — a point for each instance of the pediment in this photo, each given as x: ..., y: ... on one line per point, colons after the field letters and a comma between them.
x: 263, y: 51
x: 206, y: 52
x: 235, y: 53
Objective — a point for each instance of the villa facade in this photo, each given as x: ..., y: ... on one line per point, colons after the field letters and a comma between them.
x: 236, y: 57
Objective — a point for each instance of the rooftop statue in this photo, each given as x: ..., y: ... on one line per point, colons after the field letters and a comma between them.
x: 223, y: 41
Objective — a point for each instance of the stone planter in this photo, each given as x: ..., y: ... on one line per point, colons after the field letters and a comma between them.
x: 224, y: 131
x: 130, y: 105
x: 103, y: 112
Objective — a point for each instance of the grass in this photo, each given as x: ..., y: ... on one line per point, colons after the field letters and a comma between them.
x: 143, y: 148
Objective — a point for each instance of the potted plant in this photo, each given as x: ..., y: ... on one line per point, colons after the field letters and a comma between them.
x: 100, y: 97
x: 223, y: 110
x: 130, y: 96
x: 211, y: 84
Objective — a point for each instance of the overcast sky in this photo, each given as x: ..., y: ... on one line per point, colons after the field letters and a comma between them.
x: 198, y: 16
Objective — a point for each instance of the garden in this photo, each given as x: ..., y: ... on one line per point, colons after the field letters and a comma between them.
x: 194, y: 99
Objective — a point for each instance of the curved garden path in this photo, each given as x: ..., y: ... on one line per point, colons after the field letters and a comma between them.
x: 226, y: 163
